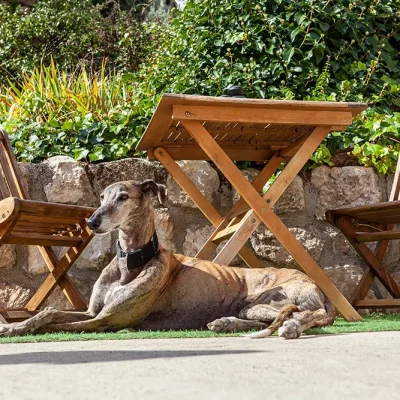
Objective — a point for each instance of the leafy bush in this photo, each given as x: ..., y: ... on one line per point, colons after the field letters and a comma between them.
x: 278, y: 45
x: 71, y: 33
x: 311, y: 50
x: 87, y: 116
x: 308, y: 50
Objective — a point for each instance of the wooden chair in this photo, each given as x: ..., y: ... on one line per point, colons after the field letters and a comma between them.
x: 372, y: 223
x: 23, y: 221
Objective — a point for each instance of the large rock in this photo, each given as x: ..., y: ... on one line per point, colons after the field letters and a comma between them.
x: 195, y: 238
x: 58, y: 301
x: 250, y: 174
x: 13, y: 296
x: 8, y: 256
x: 98, y: 253
x: 165, y: 228
x: 269, y: 248
x: 345, y: 187
x: 34, y: 178
x: 36, y: 264
x: 202, y: 175
x: 70, y: 183
x: 346, y: 279
x: 136, y: 169
x: 292, y: 200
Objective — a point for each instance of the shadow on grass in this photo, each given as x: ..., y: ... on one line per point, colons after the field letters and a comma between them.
x: 87, y: 357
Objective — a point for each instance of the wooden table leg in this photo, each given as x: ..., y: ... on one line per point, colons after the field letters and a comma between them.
x: 194, y: 193
x: 251, y: 221
x: 266, y: 215
x: 262, y: 178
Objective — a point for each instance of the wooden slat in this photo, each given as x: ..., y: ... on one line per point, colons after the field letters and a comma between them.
x: 16, y: 175
x: 15, y: 315
x: 377, y: 236
x: 395, y: 192
x: 379, y: 303
x: 242, y: 233
x: 42, y: 240
x: 50, y: 221
x: 226, y: 233
x: 270, y: 219
x: 41, y: 208
x: 181, y: 153
x: 4, y: 190
x: 161, y: 118
x: 204, y: 113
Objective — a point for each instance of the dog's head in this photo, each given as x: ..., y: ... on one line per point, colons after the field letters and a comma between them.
x: 123, y: 201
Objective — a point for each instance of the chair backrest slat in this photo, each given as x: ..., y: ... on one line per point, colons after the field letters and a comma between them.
x: 395, y: 193
x: 11, y: 181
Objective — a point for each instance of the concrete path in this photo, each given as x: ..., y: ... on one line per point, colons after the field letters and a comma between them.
x: 355, y: 366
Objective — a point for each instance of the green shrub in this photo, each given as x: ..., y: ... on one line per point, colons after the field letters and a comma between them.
x: 86, y: 116
x: 72, y: 33
x: 311, y: 50
x: 275, y: 45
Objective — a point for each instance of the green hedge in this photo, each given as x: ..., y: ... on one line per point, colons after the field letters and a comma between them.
x: 311, y: 50
x: 72, y: 33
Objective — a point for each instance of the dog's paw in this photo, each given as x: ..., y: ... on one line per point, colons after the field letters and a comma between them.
x: 8, y: 330
x: 290, y: 329
x: 224, y: 324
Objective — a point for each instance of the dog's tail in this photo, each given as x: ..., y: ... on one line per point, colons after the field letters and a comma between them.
x: 322, y: 319
x: 284, y: 314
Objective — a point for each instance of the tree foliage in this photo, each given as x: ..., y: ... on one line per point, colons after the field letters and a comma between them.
x: 72, y: 33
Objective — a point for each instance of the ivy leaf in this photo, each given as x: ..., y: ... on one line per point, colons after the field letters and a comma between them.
x: 294, y: 33
x: 80, y: 153
x: 324, y: 26
x: 288, y: 54
x: 96, y: 154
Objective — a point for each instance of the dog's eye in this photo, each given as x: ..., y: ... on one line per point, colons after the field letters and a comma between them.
x: 101, y: 197
x: 123, y: 197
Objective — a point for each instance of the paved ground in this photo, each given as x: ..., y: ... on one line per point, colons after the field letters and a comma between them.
x: 355, y: 366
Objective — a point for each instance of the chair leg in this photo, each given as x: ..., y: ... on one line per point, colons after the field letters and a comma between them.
x: 373, y: 261
x: 58, y: 274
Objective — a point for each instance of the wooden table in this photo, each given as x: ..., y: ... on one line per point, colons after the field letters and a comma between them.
x: 221, y: 129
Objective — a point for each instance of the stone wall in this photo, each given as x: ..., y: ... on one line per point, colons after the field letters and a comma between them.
x: 182, y: 228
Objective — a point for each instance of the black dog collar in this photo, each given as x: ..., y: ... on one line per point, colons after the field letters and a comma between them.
x: 138, y: 258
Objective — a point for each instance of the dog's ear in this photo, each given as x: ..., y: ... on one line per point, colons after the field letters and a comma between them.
x: 150, y: 187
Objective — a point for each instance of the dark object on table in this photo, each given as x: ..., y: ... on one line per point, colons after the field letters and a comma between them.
x: 234, y: 91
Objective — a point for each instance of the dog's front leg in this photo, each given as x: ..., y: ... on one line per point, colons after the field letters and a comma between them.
x: 128, y: 305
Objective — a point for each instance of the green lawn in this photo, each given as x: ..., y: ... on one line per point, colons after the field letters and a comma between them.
x: 373, y: 323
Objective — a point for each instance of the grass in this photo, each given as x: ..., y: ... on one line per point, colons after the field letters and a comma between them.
x: 372, y: 323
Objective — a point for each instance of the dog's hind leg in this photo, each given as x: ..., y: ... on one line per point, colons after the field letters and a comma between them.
x: 294, y: 327
x: 256, y: 316
x: 233, y: 324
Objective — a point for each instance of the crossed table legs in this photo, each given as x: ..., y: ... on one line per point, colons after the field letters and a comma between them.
x: 257, y: 209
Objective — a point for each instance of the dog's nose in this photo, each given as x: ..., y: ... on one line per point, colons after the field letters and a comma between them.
x: 94, y: 222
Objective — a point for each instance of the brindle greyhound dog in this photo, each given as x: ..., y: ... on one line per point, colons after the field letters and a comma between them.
x: 154, y: 289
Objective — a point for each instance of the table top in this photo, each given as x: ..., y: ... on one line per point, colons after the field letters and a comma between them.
x: 247, y: 129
